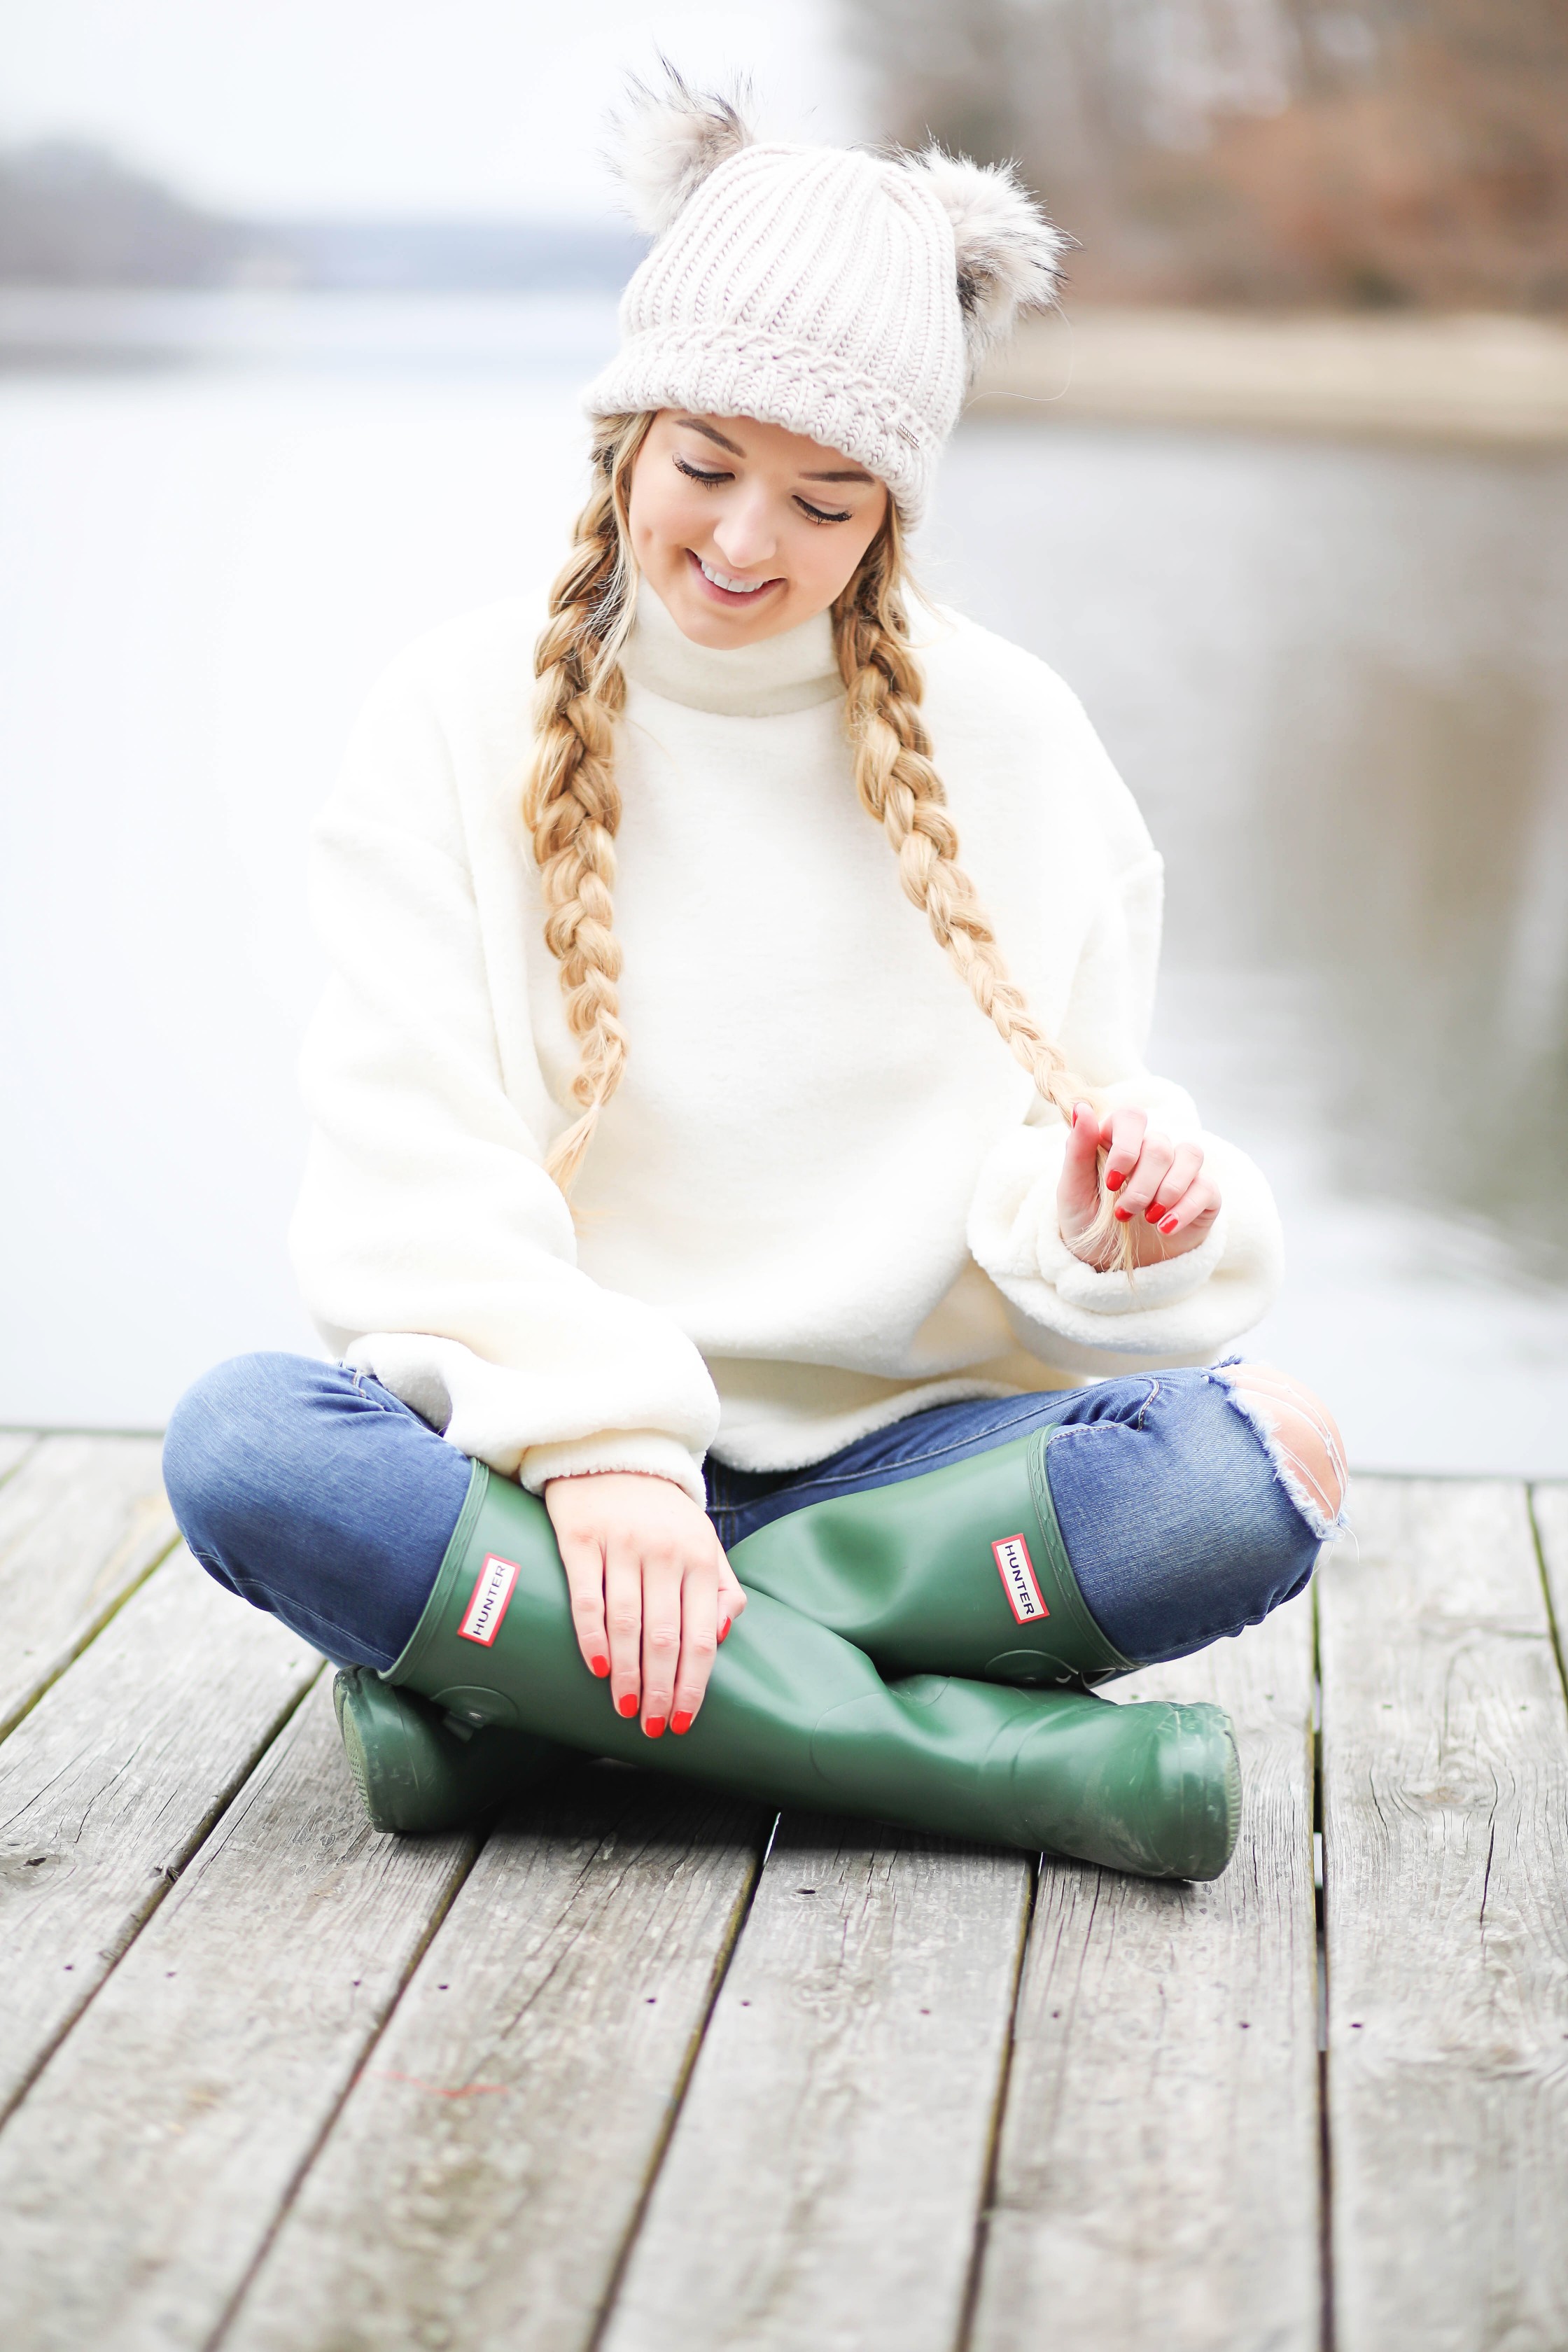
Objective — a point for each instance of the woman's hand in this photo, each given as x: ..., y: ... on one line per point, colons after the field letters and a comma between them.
x: 1159, y: 1188
x: 652, y: 1593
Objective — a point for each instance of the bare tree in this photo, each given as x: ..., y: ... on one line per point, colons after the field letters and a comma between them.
x: 1273, y: 151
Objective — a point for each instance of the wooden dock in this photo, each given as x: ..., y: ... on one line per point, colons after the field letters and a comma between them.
x: 640, y: 2070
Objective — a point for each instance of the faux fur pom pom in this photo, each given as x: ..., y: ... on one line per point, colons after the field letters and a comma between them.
x: 1009, y: 255
x: 667, y: 141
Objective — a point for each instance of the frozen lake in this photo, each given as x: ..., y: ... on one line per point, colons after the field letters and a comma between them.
x: 1332, y: 675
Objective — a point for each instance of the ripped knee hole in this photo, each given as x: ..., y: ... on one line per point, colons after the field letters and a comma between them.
x: 1302, y: 1436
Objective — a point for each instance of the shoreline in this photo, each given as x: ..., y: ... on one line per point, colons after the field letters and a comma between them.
x: 1479, y: 380
x: 1487, y: 380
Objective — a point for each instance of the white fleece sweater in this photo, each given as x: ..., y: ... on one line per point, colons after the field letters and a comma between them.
x: 824, y: 1196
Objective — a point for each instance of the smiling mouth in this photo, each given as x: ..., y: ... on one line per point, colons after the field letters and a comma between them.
x: 726, y: 586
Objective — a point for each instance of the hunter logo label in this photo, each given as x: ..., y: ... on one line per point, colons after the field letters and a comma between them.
x: 1017, y: 1570
x: 488, y: 1604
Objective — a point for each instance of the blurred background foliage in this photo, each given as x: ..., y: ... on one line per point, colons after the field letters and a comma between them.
x: 1261, y: 151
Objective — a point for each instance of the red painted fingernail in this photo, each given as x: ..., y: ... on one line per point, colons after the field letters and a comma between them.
x: 1125, y: 1216
x: 678, y: 1723
x: 601, y: 1666
x: 1169, y: 1226
x: 654, y: 1726
x: 724, y: 1627
x: 1114, y: 1179
x: 628, y: 1704
x: 1152, y: 1214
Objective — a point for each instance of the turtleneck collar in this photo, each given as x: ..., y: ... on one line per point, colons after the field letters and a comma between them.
x: 789, y: 672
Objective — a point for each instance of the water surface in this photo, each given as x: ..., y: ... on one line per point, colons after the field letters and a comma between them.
x: 1333, y: 675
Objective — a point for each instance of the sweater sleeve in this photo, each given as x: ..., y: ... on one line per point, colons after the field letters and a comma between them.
x: 1184, y: 1309
x: 432, y: 1248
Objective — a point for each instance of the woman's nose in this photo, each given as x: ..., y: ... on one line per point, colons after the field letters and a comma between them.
x: 744, y: 536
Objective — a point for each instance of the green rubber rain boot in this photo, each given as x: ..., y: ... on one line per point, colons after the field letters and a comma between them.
x: 961, y: 1570
x: 796, y: 1714
x: 419, y: 1770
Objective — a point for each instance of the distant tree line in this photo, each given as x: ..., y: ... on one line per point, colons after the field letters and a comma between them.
x: 1285, y: 151
x: 73, y: 216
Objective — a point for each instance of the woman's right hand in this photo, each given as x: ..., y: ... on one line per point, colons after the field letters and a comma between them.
x: 652, y: 1593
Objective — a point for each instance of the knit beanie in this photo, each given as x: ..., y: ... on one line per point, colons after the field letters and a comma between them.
x: 844, y: 294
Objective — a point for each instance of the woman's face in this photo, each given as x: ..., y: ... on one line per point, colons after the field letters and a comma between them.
x: 744, y: 530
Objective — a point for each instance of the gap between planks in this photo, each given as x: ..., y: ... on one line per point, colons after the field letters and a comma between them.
x: 1157, y: 2170
x: 111, y: 1782
x: 15, y: 1444
x: 139, y: 2179
x: 1446, y: 1853
x: 823, y: 2177
x: 479, y: 2185
x: 83, y: 1520
x: 1549, y: 1514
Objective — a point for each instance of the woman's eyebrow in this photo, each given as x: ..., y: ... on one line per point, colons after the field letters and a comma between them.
x: 694, y: 424
x: 712, y: 433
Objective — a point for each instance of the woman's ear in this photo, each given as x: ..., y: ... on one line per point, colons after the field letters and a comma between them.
x: 1009, y: 254
x: 668, y: 140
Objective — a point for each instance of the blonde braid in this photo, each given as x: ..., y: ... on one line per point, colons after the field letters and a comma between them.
x: 573, y: 804
x: 898, y: 785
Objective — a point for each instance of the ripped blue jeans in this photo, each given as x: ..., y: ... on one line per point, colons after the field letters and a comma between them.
x: 312, y: 1492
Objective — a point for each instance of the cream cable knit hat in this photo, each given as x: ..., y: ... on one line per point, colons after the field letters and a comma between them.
x: 842, y: 295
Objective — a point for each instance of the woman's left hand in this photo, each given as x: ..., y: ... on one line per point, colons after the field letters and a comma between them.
x: 1160, y: 1187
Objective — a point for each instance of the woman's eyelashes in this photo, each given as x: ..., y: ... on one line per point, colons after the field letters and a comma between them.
x: 712, y: 481
x: 695, y: 474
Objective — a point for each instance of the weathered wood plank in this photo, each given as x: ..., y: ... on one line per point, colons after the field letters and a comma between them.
x: 822, y: 2185
x: 1445, y: 1870
x: 111, y: 1782
x: 81, y: 1522
x: 15, y: 1444
x: 479, y: 2184
x: 141, y: 2175
x: 1157, y: 2168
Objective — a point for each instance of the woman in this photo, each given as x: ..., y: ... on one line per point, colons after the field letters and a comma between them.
x: 871, y: 1243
